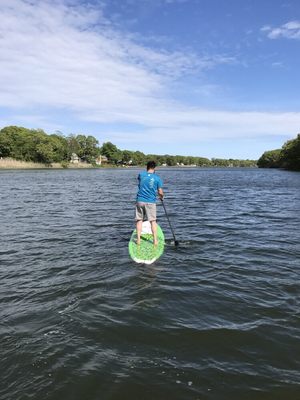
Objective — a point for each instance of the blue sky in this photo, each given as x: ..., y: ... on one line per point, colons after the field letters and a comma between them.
x: 208, y: 78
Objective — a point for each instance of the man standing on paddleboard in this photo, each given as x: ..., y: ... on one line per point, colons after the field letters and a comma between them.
x: 149, y: 186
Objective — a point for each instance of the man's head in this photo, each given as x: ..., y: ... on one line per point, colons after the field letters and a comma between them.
x: 151, y: 165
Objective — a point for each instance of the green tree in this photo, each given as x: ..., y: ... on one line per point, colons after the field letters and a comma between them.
x: 6, y: 142
x: 45, y: 153
x: 86, y: 147
x: 92, y: 151
x: 20, y: 143
x: 220, y: 162
x: 60, y: 148
x: 162, y: 160
x: 270, y: 159
x: 73, y: 145
x: 127, y: 156
x: 290, y: 154
x: 113, y: 154
x: 170, y: 161
x: 201, y: 162
x: 138, y: 158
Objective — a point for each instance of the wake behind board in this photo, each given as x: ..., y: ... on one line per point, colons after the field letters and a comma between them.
x: 146, y: 252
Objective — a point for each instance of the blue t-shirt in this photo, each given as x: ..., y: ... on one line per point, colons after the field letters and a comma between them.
x: 148, y: 185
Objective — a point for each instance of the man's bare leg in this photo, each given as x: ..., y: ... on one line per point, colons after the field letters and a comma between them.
x: 154, y: 232
x: 139, y: 225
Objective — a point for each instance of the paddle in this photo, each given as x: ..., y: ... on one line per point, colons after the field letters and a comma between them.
x: 175, y: 241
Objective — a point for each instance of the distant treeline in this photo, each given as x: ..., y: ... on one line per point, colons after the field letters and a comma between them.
x: 116, y: 156
x: 287, y: 157
x: 35, y: 145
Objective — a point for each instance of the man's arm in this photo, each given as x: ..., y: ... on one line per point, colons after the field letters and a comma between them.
x: 160, y: 193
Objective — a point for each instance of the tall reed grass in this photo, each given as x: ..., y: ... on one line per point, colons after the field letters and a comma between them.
x: 10, y: 163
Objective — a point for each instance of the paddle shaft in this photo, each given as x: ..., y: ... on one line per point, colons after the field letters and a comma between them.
x: 175, y: 241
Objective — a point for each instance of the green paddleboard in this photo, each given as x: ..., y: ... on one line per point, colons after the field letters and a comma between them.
x: 146, y: 252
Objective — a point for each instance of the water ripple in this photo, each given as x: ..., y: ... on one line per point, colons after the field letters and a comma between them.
x: 216, y: 318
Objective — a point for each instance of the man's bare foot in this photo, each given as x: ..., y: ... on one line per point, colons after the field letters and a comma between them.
x: 155, y: 243
x: 138, y: 242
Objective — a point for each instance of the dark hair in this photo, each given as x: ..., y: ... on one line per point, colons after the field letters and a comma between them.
x: 151, y: 165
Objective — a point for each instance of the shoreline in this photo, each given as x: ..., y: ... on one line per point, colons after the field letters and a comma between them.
x: 12, y: 164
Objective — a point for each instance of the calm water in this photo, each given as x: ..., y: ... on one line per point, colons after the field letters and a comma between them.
x: 217, y: 318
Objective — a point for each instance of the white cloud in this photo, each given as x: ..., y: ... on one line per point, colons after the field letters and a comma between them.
x: 196, y: 125
x: 63, y: 56
x: 277, y: 64
x: 58, y: 56
x: 290, y: 30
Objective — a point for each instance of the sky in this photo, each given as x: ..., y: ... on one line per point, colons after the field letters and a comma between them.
x: 208, y: 78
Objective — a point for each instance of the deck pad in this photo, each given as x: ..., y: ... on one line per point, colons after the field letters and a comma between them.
x: 146, y: 252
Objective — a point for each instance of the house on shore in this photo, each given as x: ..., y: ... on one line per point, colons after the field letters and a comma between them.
x: 101, y: 160
x: 74, y: 159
